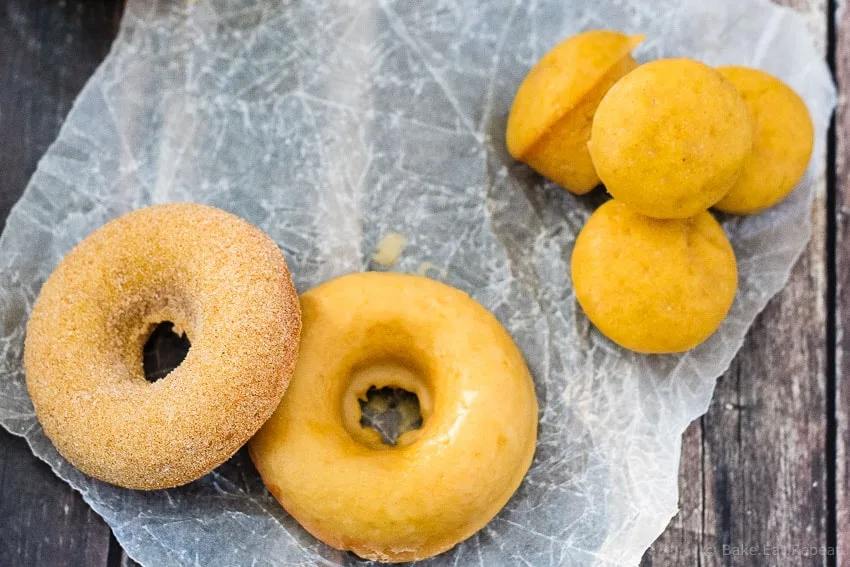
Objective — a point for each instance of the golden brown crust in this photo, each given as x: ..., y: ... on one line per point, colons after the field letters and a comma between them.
x: 221, y: 280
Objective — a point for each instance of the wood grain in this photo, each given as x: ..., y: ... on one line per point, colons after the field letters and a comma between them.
x: 43, y: 521
x: 48, y: 49
x: 754, y: 472
x: 842, y: 288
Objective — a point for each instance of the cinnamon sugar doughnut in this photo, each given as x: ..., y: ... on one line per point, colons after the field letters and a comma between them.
x: 218, y: 279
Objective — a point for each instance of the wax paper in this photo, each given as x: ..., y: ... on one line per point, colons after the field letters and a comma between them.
x: 331, y: 123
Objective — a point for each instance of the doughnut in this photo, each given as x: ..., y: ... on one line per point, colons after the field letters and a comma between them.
x: 653, y: 285
x: 549, y: 121
x: 440, y: 483
x: 670, y: 138
x: 783, y: 137
x: 216, y: 278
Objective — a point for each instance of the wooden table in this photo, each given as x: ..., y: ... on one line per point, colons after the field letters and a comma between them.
x: 766, y: 467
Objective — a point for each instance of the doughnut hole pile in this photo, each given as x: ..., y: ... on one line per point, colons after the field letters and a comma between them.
x: 653, y: 270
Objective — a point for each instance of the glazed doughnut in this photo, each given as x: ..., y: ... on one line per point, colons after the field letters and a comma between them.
x: 218, y: 279
x: 439, y: 484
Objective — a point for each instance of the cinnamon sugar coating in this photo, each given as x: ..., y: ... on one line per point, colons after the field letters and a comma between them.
x: 217, y: 278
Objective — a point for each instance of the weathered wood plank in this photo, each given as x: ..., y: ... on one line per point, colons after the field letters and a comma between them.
x: 42, y: 521
x: 753, y: 470
x: 47, y: 51
x: 842, y: 280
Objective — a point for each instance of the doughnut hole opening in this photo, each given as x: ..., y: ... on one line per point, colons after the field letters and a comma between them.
x: 391, y: 412
x: 387, y: 403
x: 164, y: 351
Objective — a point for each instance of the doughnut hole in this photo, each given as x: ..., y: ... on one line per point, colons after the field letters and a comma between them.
x: 153, y: 335
x: 387, y: 402
x: 164, y: 351
x: 391, y: 412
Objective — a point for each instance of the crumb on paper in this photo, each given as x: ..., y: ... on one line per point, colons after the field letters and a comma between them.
x: 427, y: 269
x: 389, y: 249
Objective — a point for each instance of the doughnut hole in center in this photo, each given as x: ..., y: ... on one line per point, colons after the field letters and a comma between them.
x: 164, y: 350
x: 387, y: 400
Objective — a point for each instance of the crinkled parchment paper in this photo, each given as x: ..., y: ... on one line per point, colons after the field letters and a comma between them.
x: 330, y: 123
